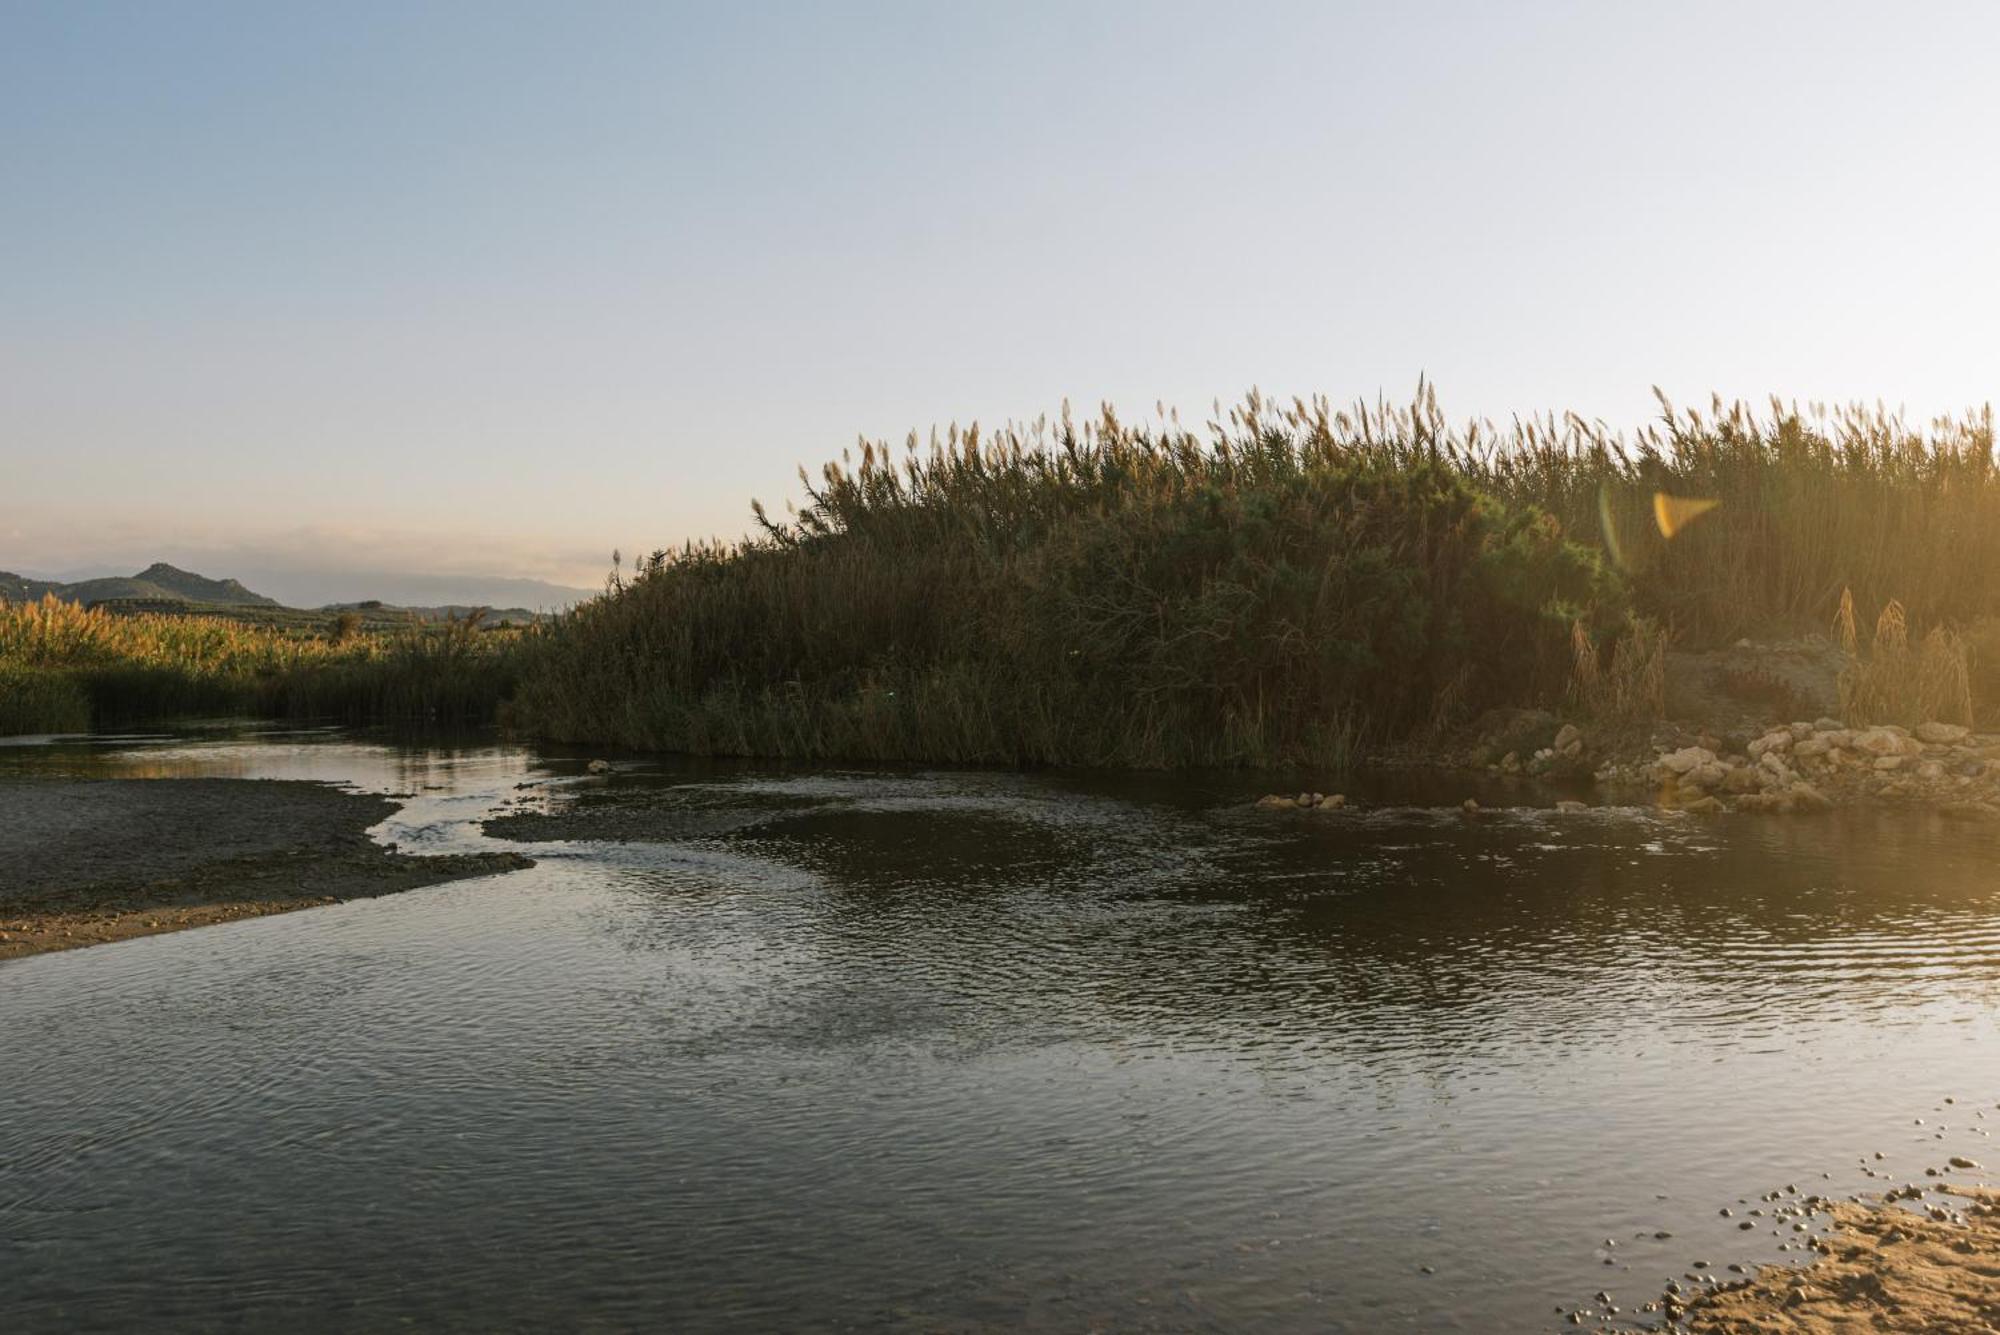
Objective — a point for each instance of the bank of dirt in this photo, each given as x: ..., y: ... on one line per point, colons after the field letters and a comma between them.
x: 84, y: 862
x: 1882, y: 1267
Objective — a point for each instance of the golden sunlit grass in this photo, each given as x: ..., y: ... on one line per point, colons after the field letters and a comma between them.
x: 63, y: 667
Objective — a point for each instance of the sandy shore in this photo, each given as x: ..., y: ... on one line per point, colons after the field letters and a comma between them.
x: 1882, y: 1268
x: 89, y: 861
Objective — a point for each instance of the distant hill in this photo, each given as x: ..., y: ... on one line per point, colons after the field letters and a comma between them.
x: 158, y: 582
x: 164, y: 588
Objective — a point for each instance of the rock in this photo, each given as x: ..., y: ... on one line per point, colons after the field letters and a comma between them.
x: 598, y: 767
x: 1942, y: 734
x: 1569, y: 739
x: 1960, y: 1161
x: 1510, y: 763
x: 1704, y: 806
x: 1470, y: 806
x: 1570, y: 805
x: 1878, y: 742
x: 1769, y: 742
x: 1740, y: 779
x: 1681, y: 761
x: 1763, y: 803
x: 1930, y: 771
x: 1306, y: 799
x: 1708, y: 774
x: 1827, y: 725
x: 1812, y: 748
x: 1336, y: 802
x: 1277, y: 802
x: 1802, y: 731
x: 1971, y: 810
x: 1805, y: 797
x: 1888, y: 762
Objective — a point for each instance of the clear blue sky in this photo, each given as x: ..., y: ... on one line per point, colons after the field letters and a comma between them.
x: 495, y: 287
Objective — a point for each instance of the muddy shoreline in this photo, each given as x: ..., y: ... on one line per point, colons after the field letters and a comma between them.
x: 88, y: 861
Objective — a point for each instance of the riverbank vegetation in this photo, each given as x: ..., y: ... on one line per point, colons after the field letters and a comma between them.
x: 1275, y: 588
x: 1280, y: 586
x: 65, y: 667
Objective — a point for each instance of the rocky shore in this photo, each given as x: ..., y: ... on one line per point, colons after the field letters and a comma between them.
x: 1771, y: 769
x: 83, y: 862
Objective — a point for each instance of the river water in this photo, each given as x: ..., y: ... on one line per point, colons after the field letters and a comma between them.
x: 923, y: 1050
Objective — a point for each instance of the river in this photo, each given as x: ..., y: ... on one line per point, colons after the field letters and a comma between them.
x: 921, y: 1050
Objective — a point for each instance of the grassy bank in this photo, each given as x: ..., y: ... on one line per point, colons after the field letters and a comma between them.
x: 1281, y: 587
x: 1273, y: 589
x: 63, y: 668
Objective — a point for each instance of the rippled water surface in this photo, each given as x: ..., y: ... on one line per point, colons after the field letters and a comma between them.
x: 941, y: 1050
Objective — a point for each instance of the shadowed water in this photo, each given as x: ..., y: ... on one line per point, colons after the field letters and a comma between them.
x: 957, y: 1050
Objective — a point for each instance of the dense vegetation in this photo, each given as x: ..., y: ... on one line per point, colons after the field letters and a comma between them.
x: 1265, y: 591
x: 1273, y: 589
x: 64, y: 667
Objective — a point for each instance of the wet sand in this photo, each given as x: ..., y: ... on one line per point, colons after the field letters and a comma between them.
x: 84, y: 862
x: 1882, y: 1268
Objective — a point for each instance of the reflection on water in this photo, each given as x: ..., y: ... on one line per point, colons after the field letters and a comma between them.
x: 949, y: 1050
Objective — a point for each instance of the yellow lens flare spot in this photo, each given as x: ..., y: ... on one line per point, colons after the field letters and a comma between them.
x: 1674, y: 513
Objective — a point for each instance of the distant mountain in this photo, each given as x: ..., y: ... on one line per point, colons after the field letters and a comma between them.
x: 158, y: 582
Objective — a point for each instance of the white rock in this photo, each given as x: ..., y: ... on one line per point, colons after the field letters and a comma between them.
x: 1708, y: 774
x: 1770, y: 741
x: 1685, y: 759
x: 1878, y: 742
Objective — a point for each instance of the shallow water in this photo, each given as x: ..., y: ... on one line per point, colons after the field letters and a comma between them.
x: 929, y: 1050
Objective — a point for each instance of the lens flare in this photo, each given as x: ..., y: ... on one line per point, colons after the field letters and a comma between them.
x: 1674, y: 513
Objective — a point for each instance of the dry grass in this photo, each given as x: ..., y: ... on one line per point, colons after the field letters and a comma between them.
x: 1896, y: 683
x: 63, y: 667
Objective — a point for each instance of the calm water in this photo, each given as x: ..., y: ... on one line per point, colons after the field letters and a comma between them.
x: 939, y: 1050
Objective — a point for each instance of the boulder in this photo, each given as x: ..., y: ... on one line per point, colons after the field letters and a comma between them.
x: 1278, y: 802
x: 1708, y: 774
x: 1681, y: 761
x: 1740, y: 779
x: 1769, y: 742
x: 1942, y: 734
x: 1887, y: 741
x: 1569, y: 740
x: 1801, y: 731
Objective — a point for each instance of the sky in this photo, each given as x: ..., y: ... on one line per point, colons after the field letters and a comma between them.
x: 338, y: 296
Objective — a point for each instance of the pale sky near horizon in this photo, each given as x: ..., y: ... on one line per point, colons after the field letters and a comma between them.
x: 492, y: 288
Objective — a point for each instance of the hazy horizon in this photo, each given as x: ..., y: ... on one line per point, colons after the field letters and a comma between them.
x: 483, y: 291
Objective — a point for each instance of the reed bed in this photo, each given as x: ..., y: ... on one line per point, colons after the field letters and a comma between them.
x: 1277, y: 587
x: 64, y: 667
